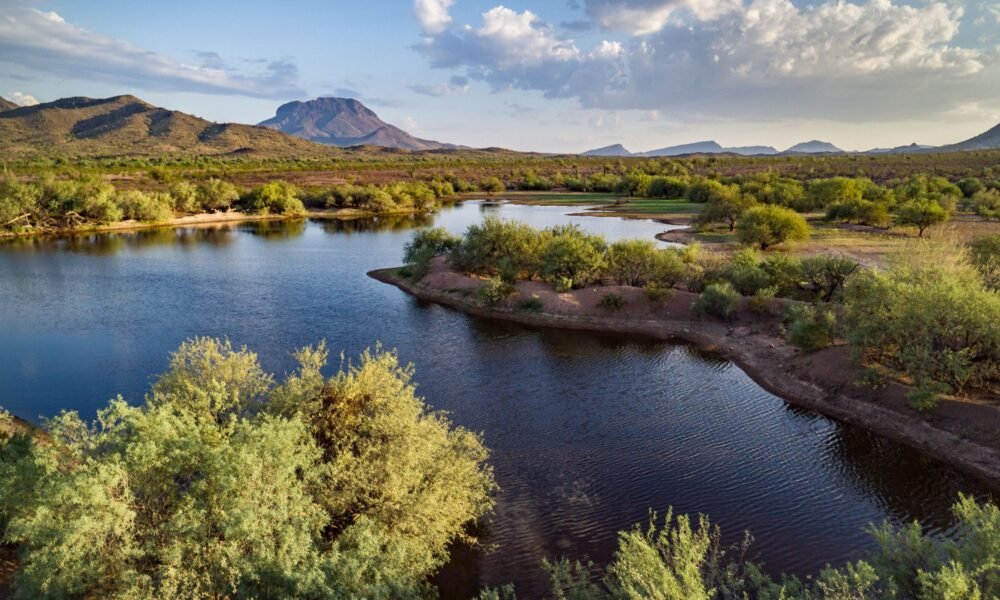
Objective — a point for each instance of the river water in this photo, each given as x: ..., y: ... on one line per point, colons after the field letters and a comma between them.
x: 587, y: 432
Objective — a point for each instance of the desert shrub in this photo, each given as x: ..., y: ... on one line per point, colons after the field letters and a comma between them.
x: 810, y: 327
x: 824, y: 193
x: 986, y: 203
x: 970, y: 185
x: 725, y: 204
x: 276, y: 197
x: 17, y: 199
x: 611, y: 301
x: 632, y: 262
x: 769, y: 188
x: 435, y: 241
x: 670, y: 267
x: 98, y: 203
x: 217, y: 195
x: 985, y: 255
x: 927, y: 317
x: 760, y: 302
x: 785, y: 273
x: 709, y: 268
x: 563, y: 284
x: 496, y: 290
x: 145, y: 206
x: 633, y: 183
x: 569, y: 253
x: 602, y: 183
x: 533, y: 304
x: 718, y: 299
x: 767, y: 226
x: 825, y: 275
x: 702, y: 190
x: 491, y: 185
x: 226, y: 485
x: 744, y: 271
x: 495, y: 242
x: 667, y: 187
x: 184, y: 196
x: 920, y: 214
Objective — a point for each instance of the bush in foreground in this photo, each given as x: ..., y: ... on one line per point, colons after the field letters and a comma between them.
x: 225, y: 484
x: 719, y: 300
x: 767, y: 226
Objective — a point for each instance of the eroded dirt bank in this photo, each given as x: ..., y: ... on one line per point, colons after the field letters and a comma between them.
x: 960, y: 432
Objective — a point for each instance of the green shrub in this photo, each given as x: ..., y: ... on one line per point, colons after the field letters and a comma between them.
x: 496, y: 290
x: 487, y: 245
x: 533, y: 304
x: 611, y: 301
x: 667, y: 187
x: 726, y: 204
x: 185, y: 197
x: 563, y: 284
x: 767, y: 226
x: 920, y: 214
x: 745, y: 272
x: 17, y: 199
x: 145, y: 206
x: 656, y: 291
x: 718, y: 299
x: 217, y: 195
x: 809, y: 327
x: 276, y: 197
x: 670, y: 267
x: 985, y: 255
x: 569, y: 253
x: 825, y: 275
x: 632, y: 262
x: 760, y: 302
x: 436, y: 240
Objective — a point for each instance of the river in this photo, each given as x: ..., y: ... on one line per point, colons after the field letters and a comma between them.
x: 587, y: 431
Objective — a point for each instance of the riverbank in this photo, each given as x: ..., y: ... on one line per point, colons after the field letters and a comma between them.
x: 960, y: 431
x: 232, y: 216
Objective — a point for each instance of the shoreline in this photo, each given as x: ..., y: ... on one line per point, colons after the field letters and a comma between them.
x: 200, y: 219
x: 771, y: 362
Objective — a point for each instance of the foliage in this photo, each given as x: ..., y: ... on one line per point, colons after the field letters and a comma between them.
x: 632, y: 262
x: 920, y: 214
x: 825, y: 275
x: 569, y: 253
x: 985, y: 255
x: 725, y: 204
x: 927, y: 317
x: 767, y: 226
x: 718, y: 299
x: 533, y: 304
x: 275, y: 197
x: 496, y: 245
x: 496, y: 290
x: 611, y: 301
x: 224, y: 485
x: 810, y: 327
x: 145, y: 206
x: 424, y: 245
x: 492, y: 185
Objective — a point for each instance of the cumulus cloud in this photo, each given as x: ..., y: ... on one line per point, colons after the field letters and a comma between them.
x: 433, y: 14
x: 46, y: 42
x: 767, y: 58
x: 22, y: 99
x: 640, y: 17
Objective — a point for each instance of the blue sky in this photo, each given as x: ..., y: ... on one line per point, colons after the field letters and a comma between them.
x: 530, y: 75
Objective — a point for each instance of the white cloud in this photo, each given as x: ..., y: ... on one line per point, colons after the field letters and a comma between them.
x: 768, y: 59
x: 433, y: 14
x: 22, y: 99
x: 46, y: 42
x: 995, y: 11
x: 641, y: 17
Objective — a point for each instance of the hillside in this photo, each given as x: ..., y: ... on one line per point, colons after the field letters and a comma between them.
x: 128, y: 126
x: 989, y: 140
x: 813, y: 147
x: 707, y: 147
x: 6, y: 104
x: 612, y: 150
x: 344, y: 122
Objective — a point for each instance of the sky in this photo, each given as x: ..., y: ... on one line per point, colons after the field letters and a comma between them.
x: 549, y: 76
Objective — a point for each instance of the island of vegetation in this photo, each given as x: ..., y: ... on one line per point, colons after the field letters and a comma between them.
x: 910, y: 349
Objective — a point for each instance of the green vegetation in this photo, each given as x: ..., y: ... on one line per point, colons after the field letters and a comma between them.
x: 767, y: 226
x: 612, y: 301
x: 718, y: 299
x: 228, y: 484
x: 683, y: 559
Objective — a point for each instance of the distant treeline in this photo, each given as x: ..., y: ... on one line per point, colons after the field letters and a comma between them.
x: 51, y: 203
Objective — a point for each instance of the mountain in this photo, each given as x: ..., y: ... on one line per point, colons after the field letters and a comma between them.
x: 989, y: 140
x: 128, y: 126
x: 912, y: 148
x: 344, y: 122
x: 707, y: 147
x: 751, y: 150
x: 6, y: 104
x: 612, y: 150
x: 813, y: 147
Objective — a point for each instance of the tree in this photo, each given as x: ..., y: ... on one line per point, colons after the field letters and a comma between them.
x: 491, y: 185
x: 573, y: 256
x: 632, y: 262
x: 276, y: 197
x: 726, y: 204
x: 920, y: 214
x: 766, y: 226
x: 225, y: 485
x: 217, y: 194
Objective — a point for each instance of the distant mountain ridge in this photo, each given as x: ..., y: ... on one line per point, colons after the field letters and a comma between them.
x: 612, y: 150
x: 813, y: 147
x: 704, y: 147
x: 344, y: 122
x: 129, y: 126
x: 6, y: 104
x: 988, y: 140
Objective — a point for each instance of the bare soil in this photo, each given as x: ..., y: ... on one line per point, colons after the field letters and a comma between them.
x: 960, y: 431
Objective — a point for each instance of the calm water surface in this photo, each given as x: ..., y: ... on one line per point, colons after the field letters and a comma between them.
x: 587, y: 431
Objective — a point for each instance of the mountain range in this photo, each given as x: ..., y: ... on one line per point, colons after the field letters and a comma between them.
x: 128, y: 126
x: 344, y: 122
x: 6, y: 104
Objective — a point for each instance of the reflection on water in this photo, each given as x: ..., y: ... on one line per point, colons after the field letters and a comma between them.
x: 587, y: 431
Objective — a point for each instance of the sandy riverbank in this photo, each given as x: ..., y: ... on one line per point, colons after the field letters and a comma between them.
x: 960, y: 431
